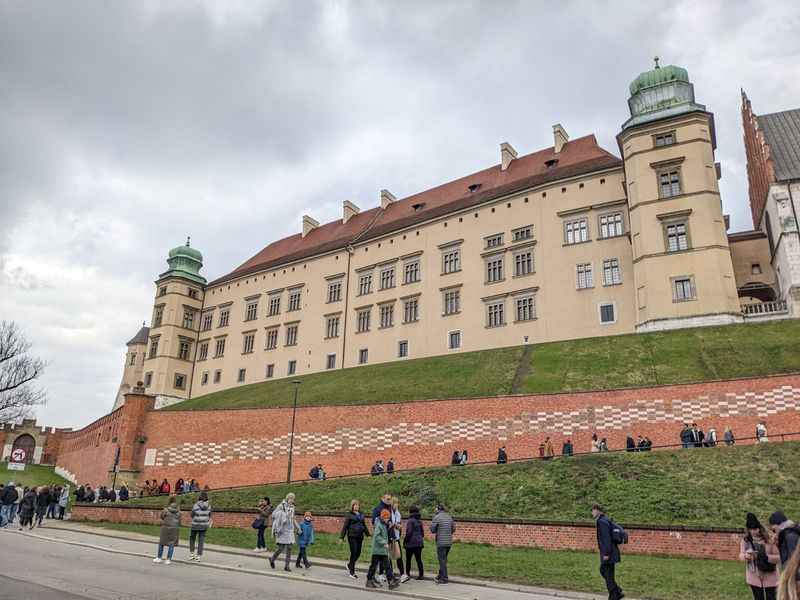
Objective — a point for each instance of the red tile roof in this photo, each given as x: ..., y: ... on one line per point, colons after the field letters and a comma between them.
x: 577, y: 157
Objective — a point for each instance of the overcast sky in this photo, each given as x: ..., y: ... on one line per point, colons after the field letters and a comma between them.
x: 125, y: 127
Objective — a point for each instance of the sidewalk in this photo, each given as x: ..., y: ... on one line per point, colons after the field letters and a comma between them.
x: 323, y: 571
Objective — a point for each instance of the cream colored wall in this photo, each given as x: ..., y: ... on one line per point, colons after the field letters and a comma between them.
x: 708, y: 258
x: 166, y: 363
x: 562, y: 311
x: 746, y: 253
x: 131, y: 373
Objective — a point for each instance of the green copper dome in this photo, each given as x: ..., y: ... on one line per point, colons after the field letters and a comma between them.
x: 658, y: 76
x: 185, y: 261
x: 660, y: 93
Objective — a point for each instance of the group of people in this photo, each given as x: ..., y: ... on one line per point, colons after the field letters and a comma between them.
x: 640, y: 444
x: 182, y: 486
x: 169, y: 535
x: 32, y: 504
x: 379, y: 468
x: 460, y: 458
x: 317, y: 472
x: 693, y: 436
x: 764, y: 551
x: 86, y: 493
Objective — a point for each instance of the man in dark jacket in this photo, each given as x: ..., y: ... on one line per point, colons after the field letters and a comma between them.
x: 502, y: 457
x: 788, y: 534
x: 630, y: 445
x: 390, y: 466
x: 686, y: 436
x: 7, y: 504
x: 609, y: 552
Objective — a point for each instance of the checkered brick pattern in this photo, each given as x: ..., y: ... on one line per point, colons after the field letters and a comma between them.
x: 604, y: 417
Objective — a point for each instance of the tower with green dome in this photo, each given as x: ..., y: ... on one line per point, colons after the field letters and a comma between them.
x: 682, y: 269
x: 174, y: 328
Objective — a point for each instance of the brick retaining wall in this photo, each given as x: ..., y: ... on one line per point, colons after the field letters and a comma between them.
x: 691, y: 542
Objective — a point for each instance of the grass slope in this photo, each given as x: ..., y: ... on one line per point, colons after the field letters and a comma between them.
x: 594, y: 363
x: 33, y: 475
x: 703, y: 487
x: 654, y: 577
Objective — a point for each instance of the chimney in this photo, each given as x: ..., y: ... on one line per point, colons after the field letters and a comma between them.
x: 387, y: 198
x: 309, y: 225
x: 560, y: 136
x: 507, y: 154
x: 349, y: 210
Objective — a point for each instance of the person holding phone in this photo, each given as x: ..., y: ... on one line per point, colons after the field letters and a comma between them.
x: 761, y: 555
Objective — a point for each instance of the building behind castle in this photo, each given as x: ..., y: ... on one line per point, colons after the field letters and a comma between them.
x: 568, y: 242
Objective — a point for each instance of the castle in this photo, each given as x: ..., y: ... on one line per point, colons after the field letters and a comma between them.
x: 567, y: 242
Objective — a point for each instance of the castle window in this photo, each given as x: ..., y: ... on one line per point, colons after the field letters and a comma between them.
x: 292, y: 367
x: 387, y: 315
x: 494, y: 269
x: 494, y: 241
x: 204, y: 378
x: 220, y: 348
x: 208, y: 321
x: 683, y: 288
x: 411, y: 310
x: 332, y: 327
x: 495, y: 316
x: 334, y: 291
x: 133, y: 359
x: 153, y: 347
x: 362, y: 320
x: 664, y: 139
x: 188, y: 319
x: 608, y: 314
x: 184, y: 348
x: 248, y: 343
x: 611, y: 225
x: 217, y: 376
x: 291, y: 335
x: 270, y: 371
x: 193, y: 293
x: 363, y: 356
x: 294, y: 300
x: 203, y: 352
x: 576, y: 231
x: 241, y: 377
x: 331, y: 361
x: 272, y: 338
x: 387, y: 278
x: 148, y: 379
x: 180, y: 381
x: 162, y: 291
x: 251, y: 311
x: 411, y: 271
x: 402, y: 349
x: 526, y: 309
x: 583, y: 276
x: 523, y: 233
x: 669, y: 183
x: 523, y: 263
x: 677, y: 236
x: 454, y: 340
x: 158, y: 316
x: 451, y: 261
x: 274, y: 305
x: 224, y: 317
x: 611, y: 273
x: 451, y: 302
x: 365, y: 284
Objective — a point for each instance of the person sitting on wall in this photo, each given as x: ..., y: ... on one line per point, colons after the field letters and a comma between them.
x: 322, y: 476
x: 456, y: 458
x: 390, y: 466
x: 313, y: 473
x: 464, y: 458
x: 179, y: 486
x: 165, y: 488
x: 502, y: 456
x: 123, y: 493
x: 377, y: 468
x: 194, y: 486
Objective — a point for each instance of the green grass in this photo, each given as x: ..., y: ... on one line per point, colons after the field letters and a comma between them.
x: 33, y: 475
x: 701, y: 487
x: 679, y: 356
x: 656, y: 577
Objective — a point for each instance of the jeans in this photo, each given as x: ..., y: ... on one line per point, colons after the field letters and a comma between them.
x: 415, y: 553
x: 170, y: 551
x: 441, y: 555
x: 51, y: 510
x: 260, y: 541
x: 607, y: 571
x: 200, y: 536
x: 287, y: 549
x: 11, y: 512
x: 302, y: 557
x: 763, y: 593
x: 383, y: 561
x: 355, y: 553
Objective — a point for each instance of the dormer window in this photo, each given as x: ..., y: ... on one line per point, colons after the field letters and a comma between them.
x: 474, y: 188
x: 418, y: 206
x: 551, y: 163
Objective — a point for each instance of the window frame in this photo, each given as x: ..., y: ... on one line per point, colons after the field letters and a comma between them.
x: 668, y: 170
x: 175, y: 381
x: 402, y: 349
x: 251, y: 310
x: 362, y: 279
x: 386, y: 315
x: 459, y: 337
x: 219, y: 344
x: 494, y: 268
x: 217, y: 376
x: 456, y: 292
x: 667, y: 224
x: 588, y: 276
x: 272, y: 337
x: 451, y: 260
x: 291, y: 367
x: 274, y: 305
x: 570, y: 229
x: 515, y: 237
x: 525, y: 298
x: 611, y: 281
x: 295, y: 300
x: 224, y: 317
x: 673, y: 281
x: 407, y: 302
x: 662, y: 135
x: 330, y: 364
x: 606, y: 215
x: 332, y: 323
x: 269, y: 373
x: 292, y: 334
x: 241, y: 375
x: 416, y: 272
x: 363, y: 356
x: 490, y: 242
x: 363, y: 325
x: 495, y: 313
x: 600, y: 307
x: 386, y: 278
x: 248, y: 336
x: 532, y: 261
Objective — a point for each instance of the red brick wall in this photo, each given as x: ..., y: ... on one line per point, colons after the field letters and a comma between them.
x: 760, y: 172
x: 695, y: 543
x: 238, y: 447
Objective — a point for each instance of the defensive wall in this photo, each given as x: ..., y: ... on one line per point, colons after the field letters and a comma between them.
x: 223, y: 448
x: 717, y: 543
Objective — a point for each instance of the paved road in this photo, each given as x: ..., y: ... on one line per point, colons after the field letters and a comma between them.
x: 56, y: 564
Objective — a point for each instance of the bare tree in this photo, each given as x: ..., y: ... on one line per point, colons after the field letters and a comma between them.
x: 18, y: 373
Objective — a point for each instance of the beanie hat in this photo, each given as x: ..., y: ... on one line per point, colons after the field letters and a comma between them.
x: 752, y: 522
x: 384, y: 514
x: 777, y: 518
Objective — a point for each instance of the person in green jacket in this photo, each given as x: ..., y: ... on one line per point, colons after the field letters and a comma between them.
x: 380, y: 552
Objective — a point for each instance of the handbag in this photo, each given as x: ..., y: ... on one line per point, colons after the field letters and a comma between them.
x: 258, y: 523
x: 395, y: 550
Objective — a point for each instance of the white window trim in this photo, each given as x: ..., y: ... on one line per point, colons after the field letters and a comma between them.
x: 460, y: 339
x: 600, y: 313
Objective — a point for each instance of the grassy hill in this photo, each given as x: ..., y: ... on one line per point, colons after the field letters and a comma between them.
x: 33, y: 475
x: 703, y: 487
x: 681, y: 356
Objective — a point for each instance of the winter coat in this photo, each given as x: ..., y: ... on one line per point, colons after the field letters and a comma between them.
x: 265, y: 512
x: 10, y: 495
x: 502, y: 457
x: 124, y: 494
x: 753, y: 576
x: 354, y: 526
x: 566, y: 449
x: 443, y: 526
x: 380, y: 539
x: 605, y: 543
x: 42, y: 500
x: 788, y: 538
x: 390, y: 467
x: 201, y: 515
x: 415, y: 534
x: 376, y: 512
x: 395, y: 524
x: 64, y: 499
x: 306, y: 537
x: 283, y: 523
x: 170, y: 526
x: 28, y: 504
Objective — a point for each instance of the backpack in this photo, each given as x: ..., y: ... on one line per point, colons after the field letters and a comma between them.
x: 618, y: 534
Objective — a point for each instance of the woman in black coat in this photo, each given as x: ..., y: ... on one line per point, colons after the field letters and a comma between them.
x: 414, y: 541
x: 26, y: 508
x: 42, y: 502
x: 354, y: 528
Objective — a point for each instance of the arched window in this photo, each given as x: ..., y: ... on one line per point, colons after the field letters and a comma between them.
x: 27, y: 443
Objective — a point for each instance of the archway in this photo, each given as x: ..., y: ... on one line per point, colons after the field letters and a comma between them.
x: 27, y: 443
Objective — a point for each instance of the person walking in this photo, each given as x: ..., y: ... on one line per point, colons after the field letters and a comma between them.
x: 305, y: 539
x: 201, y: 521
x: 566, y: 448
x: 27, y: 507
x: 170, y: 531
x: 711, y: 438
x: 761, y: 556
x: 354, y: 528
x: 395, y: 534
x: 63, y: 502
x: 52, y: 504
x: 260, y: 524
x: 380, y: 552
x: 443, y: 527
x: 42, y: 504
x: 283, y: 529
x: 730, y: 440
x: 609, y: 551
x: 8, y: 504
x: 414, y: 542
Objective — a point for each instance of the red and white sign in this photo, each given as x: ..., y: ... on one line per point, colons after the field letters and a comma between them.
x: 18, y: 455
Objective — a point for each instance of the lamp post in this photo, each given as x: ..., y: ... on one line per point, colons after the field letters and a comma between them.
x: 296, y: 384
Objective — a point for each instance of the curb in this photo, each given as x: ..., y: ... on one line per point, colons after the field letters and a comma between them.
x: 328, y: 563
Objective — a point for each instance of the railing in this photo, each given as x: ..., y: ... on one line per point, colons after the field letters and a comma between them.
x: 765, y: 308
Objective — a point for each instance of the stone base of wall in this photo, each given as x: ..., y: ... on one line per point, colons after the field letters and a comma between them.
x: 687, y: 322
x: 715, y: 543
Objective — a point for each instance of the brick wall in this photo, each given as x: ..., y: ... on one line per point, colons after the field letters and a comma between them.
x: 238, y: 447
x: 691, y: 542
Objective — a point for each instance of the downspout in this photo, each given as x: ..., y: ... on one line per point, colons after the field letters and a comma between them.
x: 350, y: 251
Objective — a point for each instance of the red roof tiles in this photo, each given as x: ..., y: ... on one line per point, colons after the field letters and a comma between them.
x: 577, y: 157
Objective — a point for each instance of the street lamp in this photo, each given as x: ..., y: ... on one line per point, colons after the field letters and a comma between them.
x: 296, y: 384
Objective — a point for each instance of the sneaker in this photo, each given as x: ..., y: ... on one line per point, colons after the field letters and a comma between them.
x: 157, y: 560
x: 393, y: 584
x: 257, y: 550
x: 192, y: 556
x: 287, y: 569
x: 404, y: 578
x: 271, y: 562
x: 196, y: 558
x: 420, y: 578
x: 371, y: 584
x: 168, y: 562
x: 380, y: 578
x: 352, y: 575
